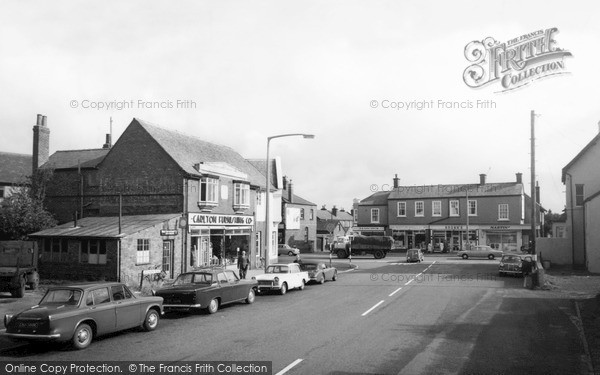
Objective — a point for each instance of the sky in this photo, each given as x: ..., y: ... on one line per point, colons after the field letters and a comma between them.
x: 246, y: 70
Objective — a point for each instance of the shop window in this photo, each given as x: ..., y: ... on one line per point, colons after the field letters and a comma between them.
x: 454, y: 208
x: 578, y: 195
x: 209, y: 188
x: 375, y: 215
x: 436, y: 208
x: 143, y: 251
x: 241, y: 198
x: 401, y: 209
x: 93, y: 252
x: 419, y: 208
x: 472, y: 207
x: 503, y: 211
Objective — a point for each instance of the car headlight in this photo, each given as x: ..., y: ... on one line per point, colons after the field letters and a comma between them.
x: 7, y: 319
x: 253, y: 277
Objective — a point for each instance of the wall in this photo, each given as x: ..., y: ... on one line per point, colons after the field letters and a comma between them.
x: 556, y: 250
x: 296, y: 237
x: 592, y: 234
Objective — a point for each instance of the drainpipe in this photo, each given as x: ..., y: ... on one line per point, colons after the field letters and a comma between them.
x: 571, y: 216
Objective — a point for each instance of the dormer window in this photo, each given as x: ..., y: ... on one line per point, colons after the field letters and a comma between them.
x: 209, y: 192
x: 241, y: 195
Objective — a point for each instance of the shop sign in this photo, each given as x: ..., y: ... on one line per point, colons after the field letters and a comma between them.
x: 454, y: 227
x: 367, y: 229
x: 168, y: 232
x: 216, y: 219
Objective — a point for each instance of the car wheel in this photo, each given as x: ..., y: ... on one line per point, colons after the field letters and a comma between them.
x: 465, y: 256
x: 322, y: 280
x: 378, y: 254
x: 213, y: 306
x: 301, y: 287
x: 251, y: 296
x: 82, y: 338
x: 491, y: 257
x: 334, y: 278
x: 151, y: 321
x: 283, y: 289
x: 20, y: 291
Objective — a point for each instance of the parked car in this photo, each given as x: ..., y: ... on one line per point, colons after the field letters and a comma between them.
x: 282, y: 277
x: 284, y: 248
x: 480, y: 252
x: 414, y: 255
x: 208, y: 289
x: 511, y: 264
x: 79, y: 313
x: 318, y: 271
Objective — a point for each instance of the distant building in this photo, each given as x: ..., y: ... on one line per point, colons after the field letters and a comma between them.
x: 582, y: 180
x: 332, y: 225
x: 495, y: 214
x: 299, y: 221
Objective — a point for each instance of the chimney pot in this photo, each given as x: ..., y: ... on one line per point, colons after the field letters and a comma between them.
x: 334, y: 211
x: 39, y: 120
x: 519, y: 178
x: 43, y: 120
x: 482, y: 177
x: 396, y: 182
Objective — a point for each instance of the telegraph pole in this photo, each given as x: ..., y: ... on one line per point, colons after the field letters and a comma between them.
x: 533, y: 195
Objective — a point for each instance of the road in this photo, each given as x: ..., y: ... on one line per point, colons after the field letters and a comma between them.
x: 445, y: 315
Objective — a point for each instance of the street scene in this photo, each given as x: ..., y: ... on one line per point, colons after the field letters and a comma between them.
x: 315, y: 187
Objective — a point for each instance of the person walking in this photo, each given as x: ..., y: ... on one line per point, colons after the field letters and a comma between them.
x: 243, y: 264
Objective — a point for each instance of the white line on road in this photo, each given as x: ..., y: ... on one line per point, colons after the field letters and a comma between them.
x: 289, y: 367
x: 395, y: 291
x: 372, y: 308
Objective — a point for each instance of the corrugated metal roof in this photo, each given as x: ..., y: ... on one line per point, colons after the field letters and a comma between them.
x: 105, y: 226
x: 14, y: 167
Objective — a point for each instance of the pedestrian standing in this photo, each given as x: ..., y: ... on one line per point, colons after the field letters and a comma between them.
x: 243, y: 264
x: 527, y: 269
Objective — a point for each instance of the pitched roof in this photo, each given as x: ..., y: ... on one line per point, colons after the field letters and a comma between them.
x: 296, y: 199
x: 14, y: 167
x: 327, y: 226
x: 188, y: 150
x: 328, y: 215
x: 579, y: 155
x: 377, y: 199
x: 72, y: 159
x: 105, y: 227
x: 450, y: 191
x: 261, y: 166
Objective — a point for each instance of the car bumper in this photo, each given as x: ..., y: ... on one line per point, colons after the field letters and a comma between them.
x: 30, y: 336
x: 181, y: 307
x: 268, y: 287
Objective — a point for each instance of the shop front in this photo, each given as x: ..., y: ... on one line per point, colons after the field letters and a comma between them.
x: 454, y: 237
x: 508, y: 238
x: 409, y: 236
x: 219, y: 239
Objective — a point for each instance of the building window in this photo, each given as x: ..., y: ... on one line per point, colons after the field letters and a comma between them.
x: 1, y: 194
x: 209, y: 188
x: 93, y: 252
x: 312, y: 214
x: 166, y: 256
x: 375, y: 215
x: 241, y: 195
x: 401, y: 209
x: 472, y: 207
x: 302, y: 214
x: 579, y: 195
x: 306, y: 234
x: 419, y: 208
x: 436, y: 208
x: 503, y: 211
x: 143, y: 251
x: 454, y: 208
x: 55, y: 250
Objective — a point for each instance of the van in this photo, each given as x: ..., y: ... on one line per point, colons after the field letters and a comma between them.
x: 414, y: 255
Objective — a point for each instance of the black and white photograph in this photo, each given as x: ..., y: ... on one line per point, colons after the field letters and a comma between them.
x: 299, y: 187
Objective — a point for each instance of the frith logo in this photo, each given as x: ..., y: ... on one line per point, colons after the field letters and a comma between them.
x: 515, y: 63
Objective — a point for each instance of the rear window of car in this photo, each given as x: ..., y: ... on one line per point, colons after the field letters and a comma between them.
x: 63, y: 296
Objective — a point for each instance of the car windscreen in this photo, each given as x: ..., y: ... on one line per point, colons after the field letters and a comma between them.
x: 277, y: 269
x: 511, y: 259
x: 308, y: 267
x: 62, y: 296
x: 194, y: 278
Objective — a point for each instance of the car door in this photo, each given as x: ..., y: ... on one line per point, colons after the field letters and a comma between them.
x: 127, y: 308
x: 225, y: 290
x: 295, y: 275
x: 239, y: 290
x: 101, y: 310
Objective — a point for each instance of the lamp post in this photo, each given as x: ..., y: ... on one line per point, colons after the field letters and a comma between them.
x: 267, y: 234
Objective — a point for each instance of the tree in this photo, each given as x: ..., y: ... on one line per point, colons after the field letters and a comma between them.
x: 23, y: 212
x: 550, y: 218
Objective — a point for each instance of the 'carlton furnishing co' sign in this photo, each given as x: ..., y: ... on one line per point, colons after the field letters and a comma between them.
x: 515, y: 63
x: 225, y: 220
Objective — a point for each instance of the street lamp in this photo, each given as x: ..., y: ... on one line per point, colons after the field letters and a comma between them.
x: 267, y: 234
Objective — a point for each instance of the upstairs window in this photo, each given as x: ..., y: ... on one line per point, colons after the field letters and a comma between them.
x: 454, y: 208
x: 241, y: 198
x: 578, y: 195
x: 302, y: 214
x: 375, y: 215
x: 419, y: 208
x: 472, y: 207
x: 503, y: 211
x: 436, y: 208
x: 209, y: 188
x: 401, y: 209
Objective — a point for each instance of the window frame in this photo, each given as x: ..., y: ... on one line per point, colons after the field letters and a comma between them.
x: 454, y: 211
x: 439, y: 208
x: 143, y: 251
x: 373, y: 211
x: 469, y: 207
x: 241, y: 195
x: 208, y: 186
x: 500, y: 211
x: 398, y: 214
x: 579, y: 195
x: 422, y: 211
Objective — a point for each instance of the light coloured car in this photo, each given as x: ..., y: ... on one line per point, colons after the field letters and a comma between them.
x: 284, y: 248
x: 319, y: 272
x: 282, y: 277
x: 480, y: 252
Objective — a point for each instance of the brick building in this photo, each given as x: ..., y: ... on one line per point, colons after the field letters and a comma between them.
x: 298, y: 227
x: 495, y: 214
x: 210, y: 192
x: 331, y: 225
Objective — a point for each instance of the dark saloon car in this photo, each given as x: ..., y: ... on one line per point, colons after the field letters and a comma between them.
x: 414, y: 255
x: 510, y: 264
x: 207, y: 289
x: 319, y: 271
x: 79, y: 313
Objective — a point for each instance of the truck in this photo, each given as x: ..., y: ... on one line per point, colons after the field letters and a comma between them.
x: 18, y: 267
x: 378, y: 246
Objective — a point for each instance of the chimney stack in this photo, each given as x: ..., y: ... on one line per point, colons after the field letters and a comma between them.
x: 41, y: 143
x: 482, y: 177
x: 396, y: 182
x: 519, y: 178
x: 285, y: 182
x: 108, y: 143
x: 334, y: 211
x: 290, y: 191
